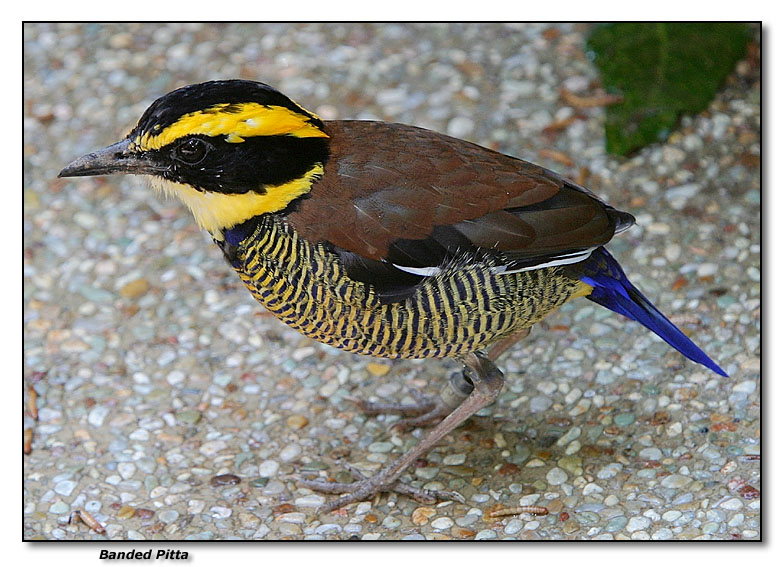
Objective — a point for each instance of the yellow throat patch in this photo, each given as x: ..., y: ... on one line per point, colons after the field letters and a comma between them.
x: 215, y: 211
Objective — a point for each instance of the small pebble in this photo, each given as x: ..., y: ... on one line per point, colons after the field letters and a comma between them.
x: 268, y: 468
x: 442, y: 523
x: 65, y: 487
x: 225, y: 480
x: 195, y: 506
x: 97, y: 415
x: 747, y: 386
x: 616, y: 524
x: 609, y: 471
x: 391, y: 522
x: 211, y: 448
x: 378, y: 369
x: 329, y: 528
x: 220, y: 512
x: 675, y: 481
x: 168, y: 516
x: 467, y: 520
x: 651, y: 454
x: 422, y: 515
x: 296, y: 421
x: 556, y: 476
x: 682, y: 192
x: 134, y: 535
x: 732, y: 504
x: 135, y: 288
x: 292, y: 517
x: 514, y: 526
x: 380, y: 447
x: 311, y: 500
x: 460, y: 127
x: 569, y: 436
x: 58, y: 508
x: 624, y: 419
x: 637, y: 523
x: 452, y: 460
x: 486, y: 534
x: 672, y: 515
x: 592, y: 488
x: 273, y: 488
x: 290, y: 452
x: 540, y: 403
x: 191, y: 417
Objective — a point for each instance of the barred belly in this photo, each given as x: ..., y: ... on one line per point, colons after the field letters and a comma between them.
x: 463, y: 309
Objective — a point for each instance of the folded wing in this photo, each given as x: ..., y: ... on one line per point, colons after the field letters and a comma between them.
x: 436, y: 198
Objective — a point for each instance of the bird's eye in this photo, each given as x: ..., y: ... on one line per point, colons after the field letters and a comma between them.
x: 192, y: 150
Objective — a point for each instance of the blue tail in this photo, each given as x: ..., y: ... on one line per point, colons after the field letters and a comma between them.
x: 613, y: 290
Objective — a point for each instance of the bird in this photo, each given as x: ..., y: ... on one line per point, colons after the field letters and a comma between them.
x: 383, y: 239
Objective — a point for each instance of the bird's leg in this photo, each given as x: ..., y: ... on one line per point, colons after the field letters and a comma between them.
x: 487, y: 380
x: 498, y: 348
x: 428, y: 410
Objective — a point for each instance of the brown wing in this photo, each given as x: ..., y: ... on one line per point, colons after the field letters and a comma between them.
x: 412, y: 196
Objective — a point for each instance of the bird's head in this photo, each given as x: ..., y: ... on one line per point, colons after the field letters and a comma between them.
x: 230, y: 150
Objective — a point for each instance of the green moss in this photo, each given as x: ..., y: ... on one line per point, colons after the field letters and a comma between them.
x: 663, y: 70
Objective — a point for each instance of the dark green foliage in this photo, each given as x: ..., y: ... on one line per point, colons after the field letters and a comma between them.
x: 663, y: 70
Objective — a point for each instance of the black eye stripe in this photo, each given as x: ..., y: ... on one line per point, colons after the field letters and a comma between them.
x: 250, y: 165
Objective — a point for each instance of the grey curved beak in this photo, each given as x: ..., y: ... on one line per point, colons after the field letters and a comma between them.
x: 116, y: 158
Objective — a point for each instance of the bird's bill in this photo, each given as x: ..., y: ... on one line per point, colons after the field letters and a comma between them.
x: 116, y: 158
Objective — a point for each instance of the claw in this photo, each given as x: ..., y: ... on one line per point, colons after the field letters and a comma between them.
x: 365, y: 487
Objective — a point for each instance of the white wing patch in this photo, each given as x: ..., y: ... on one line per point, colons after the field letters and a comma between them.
x: 571, y: 258
x: 427, y: 272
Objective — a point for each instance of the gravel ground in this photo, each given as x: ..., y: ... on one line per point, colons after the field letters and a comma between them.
x: 156, y: 372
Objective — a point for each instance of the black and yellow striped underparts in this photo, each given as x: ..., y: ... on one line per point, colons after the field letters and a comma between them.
x: 462, y: 310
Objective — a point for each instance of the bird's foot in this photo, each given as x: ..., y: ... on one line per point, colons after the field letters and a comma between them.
x: 364, y: 488
x: 423, y: 405
x: 427, y: 410
x: 485, y: 382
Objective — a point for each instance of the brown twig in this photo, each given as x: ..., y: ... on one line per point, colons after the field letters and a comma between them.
x: 599, y: 98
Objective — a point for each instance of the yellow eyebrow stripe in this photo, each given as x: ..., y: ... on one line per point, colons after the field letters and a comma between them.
x: 241, y: 121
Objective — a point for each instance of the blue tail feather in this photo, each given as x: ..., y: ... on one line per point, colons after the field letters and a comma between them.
x: 613, y: 290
